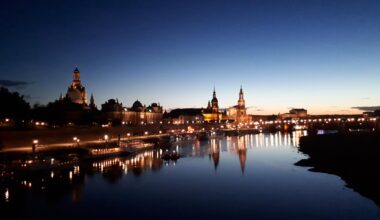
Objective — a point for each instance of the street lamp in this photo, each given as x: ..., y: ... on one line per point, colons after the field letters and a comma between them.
x: 106, y: 139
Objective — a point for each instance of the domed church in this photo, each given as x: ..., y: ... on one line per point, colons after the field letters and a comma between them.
x: 76, y: 91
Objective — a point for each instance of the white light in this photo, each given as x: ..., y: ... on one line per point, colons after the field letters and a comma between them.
x: 106, y: 137
x: 6, y: 195
x: 35, y: 141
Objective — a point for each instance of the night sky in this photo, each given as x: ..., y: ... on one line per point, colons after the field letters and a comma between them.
x: 320, y: 55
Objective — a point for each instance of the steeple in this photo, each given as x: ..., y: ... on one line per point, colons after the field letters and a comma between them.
x: 241, y: 102
x: 214, y: 102
x: 92, y: 102
x: 76, y: 75
x: 92, y: 99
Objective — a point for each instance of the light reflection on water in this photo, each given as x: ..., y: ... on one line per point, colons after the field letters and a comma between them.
x: 240, y: 177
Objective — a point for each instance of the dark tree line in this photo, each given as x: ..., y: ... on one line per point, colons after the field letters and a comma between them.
x: 14, y: 106
x: 57, y: 113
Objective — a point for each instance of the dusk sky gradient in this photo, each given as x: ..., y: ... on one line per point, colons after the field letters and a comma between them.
x: 320, y: 55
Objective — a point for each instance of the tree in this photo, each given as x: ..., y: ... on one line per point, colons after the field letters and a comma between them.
x: 13, y: 106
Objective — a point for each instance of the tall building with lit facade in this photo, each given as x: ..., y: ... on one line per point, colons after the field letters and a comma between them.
x: 76, y: 91
x: 238, y: 113
x: 212, y: 113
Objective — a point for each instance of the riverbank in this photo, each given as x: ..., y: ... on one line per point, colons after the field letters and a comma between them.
x: 355, y: 157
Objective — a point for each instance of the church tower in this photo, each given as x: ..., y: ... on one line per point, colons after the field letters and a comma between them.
x: 214, y: 103
x: 241, y: 102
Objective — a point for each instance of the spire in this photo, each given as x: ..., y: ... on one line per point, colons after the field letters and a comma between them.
x: 76, y: 69
x: 92, y: 99
x: 76, y: 74
x: 241, y: 101
x: 214, y: 93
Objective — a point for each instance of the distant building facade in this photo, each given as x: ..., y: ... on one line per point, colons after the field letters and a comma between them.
x: 294, y: 113
x: 139, y: 113
x: 113, y: 110
x: 185, y: 115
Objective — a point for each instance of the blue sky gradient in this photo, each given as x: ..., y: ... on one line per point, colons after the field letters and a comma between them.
x: 321, y: 55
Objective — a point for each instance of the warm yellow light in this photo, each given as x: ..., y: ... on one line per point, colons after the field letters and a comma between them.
x: 35, y: 141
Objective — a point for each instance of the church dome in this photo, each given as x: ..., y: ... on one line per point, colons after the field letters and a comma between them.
x: 214, y: 99
x: 137, y: 106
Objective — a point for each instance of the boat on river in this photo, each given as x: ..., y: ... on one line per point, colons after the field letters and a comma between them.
x: 125, y: 148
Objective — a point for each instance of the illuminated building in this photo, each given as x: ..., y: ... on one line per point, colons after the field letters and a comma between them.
x: 238, y: 113
x: 211, y: 113
x: 76, y: 91
x: 137, y: 114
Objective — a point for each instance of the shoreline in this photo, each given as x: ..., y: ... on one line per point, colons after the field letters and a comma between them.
x: 354, y: 157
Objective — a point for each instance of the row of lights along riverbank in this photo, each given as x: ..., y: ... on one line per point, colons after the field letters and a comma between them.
x: 241, y: 125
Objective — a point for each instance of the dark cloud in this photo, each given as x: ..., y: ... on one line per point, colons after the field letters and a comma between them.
x: 367, y: 108
x: 12, y: 83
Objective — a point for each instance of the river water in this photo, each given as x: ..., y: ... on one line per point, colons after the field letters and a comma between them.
x: 246, y: 177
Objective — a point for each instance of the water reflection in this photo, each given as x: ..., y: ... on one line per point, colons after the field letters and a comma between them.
x: 20, y: 190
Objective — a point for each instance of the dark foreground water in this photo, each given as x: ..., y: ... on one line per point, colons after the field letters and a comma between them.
x: 248, y: 177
